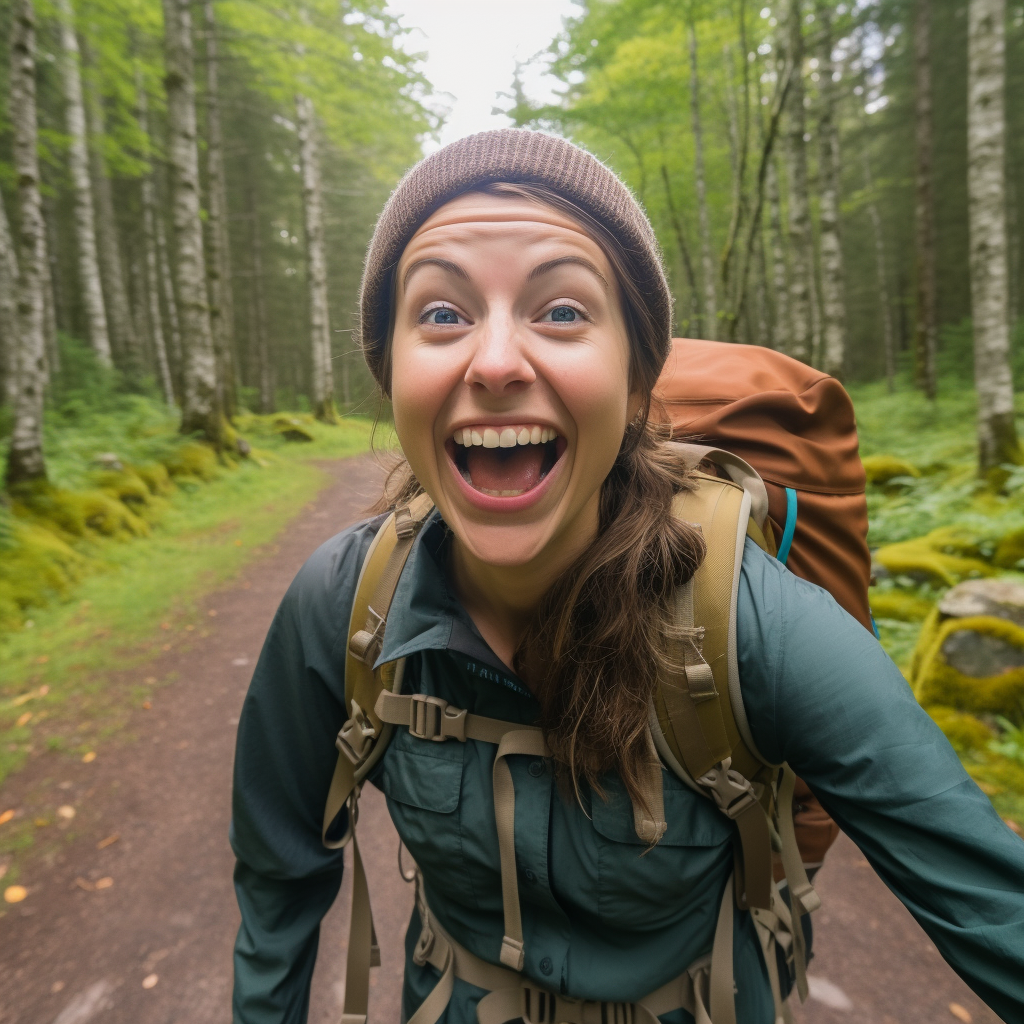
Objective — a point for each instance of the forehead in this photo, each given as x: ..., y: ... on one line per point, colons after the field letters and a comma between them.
x: 475, y: 219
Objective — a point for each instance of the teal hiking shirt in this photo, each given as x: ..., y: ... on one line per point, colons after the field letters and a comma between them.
x: 600, y: 921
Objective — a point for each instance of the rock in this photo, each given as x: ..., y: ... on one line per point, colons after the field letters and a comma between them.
x: 243, y: 446
x: 108, y: 460
x: 1001, y: 598
x: 880, y: 469
x: 980, y: 655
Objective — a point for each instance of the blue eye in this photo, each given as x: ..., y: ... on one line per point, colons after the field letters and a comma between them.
x: 443, y: 316
x: 564, y: 314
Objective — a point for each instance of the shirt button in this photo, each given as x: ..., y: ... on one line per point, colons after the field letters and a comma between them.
x: 536, y: 769
x: 546, y: 965
x: 530, y: 876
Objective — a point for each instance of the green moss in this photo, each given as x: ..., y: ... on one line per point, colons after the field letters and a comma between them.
x: 880, y: 469
x: 923, y: 559
x: 899, y: 605
x: 936, y: 682
x: 964, y: 731
x: 155, y: 476
x: 195, y: 460
x: 79, y: 513
x: 126, y: 486
x: 1009, y: 553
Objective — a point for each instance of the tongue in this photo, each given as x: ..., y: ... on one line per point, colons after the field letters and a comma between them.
x: 505, y: 469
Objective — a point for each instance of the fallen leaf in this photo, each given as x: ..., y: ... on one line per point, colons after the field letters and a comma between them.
x: 109, y: 841
x: 165, y: 625
x: 66, y: 811
x: 1013, y: 826
x: 3, y: 870
x: 15, y: 893
x: 40, y: 822
x: 150, y: 980
x: 960, y: 1012
x: 24, y: 719
x: 90, y: 756
x: 42, y: 659
x: 146, y: 705
x: 84, y: 884
x: 56, y: 987
x: 212, y: 613
x: 104, y: 883
x: 149, y: 680
x: 43, y: 691
x: 6, y: 816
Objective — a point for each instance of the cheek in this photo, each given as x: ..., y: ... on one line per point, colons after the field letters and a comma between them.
x: 596, y: 393
x: 419, y: 387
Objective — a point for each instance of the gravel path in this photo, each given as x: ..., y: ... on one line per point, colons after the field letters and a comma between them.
x: 154, y: 945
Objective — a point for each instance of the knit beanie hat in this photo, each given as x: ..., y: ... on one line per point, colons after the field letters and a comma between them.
x: 516, y: 156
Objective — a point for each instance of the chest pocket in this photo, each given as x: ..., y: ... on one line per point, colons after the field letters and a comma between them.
x: 641, y: 887
x: 423, y: 785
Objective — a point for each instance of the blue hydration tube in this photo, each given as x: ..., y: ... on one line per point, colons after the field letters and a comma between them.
x: 790, y: 527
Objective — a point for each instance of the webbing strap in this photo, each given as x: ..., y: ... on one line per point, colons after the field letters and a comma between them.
x: 363, y: 951
x: 519, y: 741
x: 431, y: 718
x: 775, y: 927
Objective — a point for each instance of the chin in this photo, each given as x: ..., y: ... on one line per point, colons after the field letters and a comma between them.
x: 504, y: 546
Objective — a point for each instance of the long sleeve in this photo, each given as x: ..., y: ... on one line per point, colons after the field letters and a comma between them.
x: 821, y: 694
x: 285, y: 879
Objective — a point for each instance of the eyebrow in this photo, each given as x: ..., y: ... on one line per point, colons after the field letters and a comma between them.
x: 435, y: 261
x: 579, y: 261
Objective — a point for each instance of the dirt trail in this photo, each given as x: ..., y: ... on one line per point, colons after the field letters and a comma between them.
x: 70, y: 956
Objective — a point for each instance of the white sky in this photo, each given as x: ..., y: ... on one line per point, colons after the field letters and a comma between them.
x: 472, y: 47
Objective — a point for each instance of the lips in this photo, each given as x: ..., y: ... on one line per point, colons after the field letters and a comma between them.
x: 507, y: 461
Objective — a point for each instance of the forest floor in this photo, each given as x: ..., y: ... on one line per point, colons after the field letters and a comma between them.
x: 130, y: 916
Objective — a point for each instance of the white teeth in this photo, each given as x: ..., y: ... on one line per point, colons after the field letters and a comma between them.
x: 490, y: 437
x: 535, y: 435
x: 476, y: 438
x: 524, y: 436
x: 507, y: 438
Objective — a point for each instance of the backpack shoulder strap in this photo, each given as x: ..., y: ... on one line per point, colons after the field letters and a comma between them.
x: 363, y: 738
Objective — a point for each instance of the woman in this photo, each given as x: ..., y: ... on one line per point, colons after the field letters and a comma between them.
x: 515, y: 310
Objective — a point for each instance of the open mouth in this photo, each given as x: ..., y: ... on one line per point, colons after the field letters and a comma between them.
x: 506, y: 461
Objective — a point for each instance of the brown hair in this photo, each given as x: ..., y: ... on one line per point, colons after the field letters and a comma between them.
x: 605, y: 630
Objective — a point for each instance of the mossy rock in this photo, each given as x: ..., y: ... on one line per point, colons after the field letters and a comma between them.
x: 80, y: 513
x: 126, y: 486
x: 965, y: 732
x: 1009, y: 553
x: 899, y: 605
x: 880, y: 469
x: 924, y: 561
x: 34, y: 568
x: 193, y: 459
x: 156, y: 478
x: 936, y: 681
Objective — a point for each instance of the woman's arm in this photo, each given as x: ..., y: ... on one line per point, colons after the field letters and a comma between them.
x: 821, y: 694
x: 285, y: 879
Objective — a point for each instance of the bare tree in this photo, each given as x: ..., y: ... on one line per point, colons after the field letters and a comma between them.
x: 256, y: 304
x: 25, y: 462
x: 8, y: 308
x: 881, y: 271
x: 783, y: 330
x: 684, y: 249
x: 149, y: 245
x: 316, y: 264
x: 170, y: 299
x: 202, y: 411
x: 800, y: 248
x: 90, y: 282
x: 833, y: 298
x: 222, y: 320
x: 986, y: 196
x: 708, y: 323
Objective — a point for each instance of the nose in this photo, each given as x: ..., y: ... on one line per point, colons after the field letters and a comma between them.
x: 500, y: 360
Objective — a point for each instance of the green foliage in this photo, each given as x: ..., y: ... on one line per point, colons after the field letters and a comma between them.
x: 1010, y: 743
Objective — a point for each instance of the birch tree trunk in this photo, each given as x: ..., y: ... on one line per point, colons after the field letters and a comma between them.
x: 149, y: 246
x: 708, y: 323
x: 782, y: 331
x: 684, y: 251
x: 800, y: 260
x: 201, y: 406
x: 256, y: 304
x: 8, y: 309
x: 833, y: 301
x: 170, y: 300
x: 89, y: 279
x: 25, y: 462
x: 986, y: 196
x: 218, y: 252
x: 882, y: 274
x: 926, y: 326
x: 124, y: 340
x: 316, y: 265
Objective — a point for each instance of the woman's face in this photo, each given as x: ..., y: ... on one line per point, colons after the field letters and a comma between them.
x: 510, y: 377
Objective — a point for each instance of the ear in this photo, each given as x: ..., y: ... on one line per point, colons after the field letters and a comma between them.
x: 634, y: 402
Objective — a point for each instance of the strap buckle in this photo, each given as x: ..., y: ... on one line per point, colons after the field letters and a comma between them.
x: 355, y: 735
x: 366, y: 644
x: 732, y: 792
x: 539, y: 1006
x: 431, y: 718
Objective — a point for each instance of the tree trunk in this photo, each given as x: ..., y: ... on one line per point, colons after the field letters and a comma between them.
x: 316, y: 265
x: 800, y: 261
x: 782, y: 331
x: 684, y: 250
x: 888, y: 336
x: 218, y: 252
x: 926, y: 327
x: 256, y: 304
x: 149, y: 244
x: 986, y: 196
x: 708, y: 324
x: 833, y: 301
x: 8, y: 309
x: 25, y: 461
x: 170, y: 300
x: 201, y: 406
x: 89, y: 279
